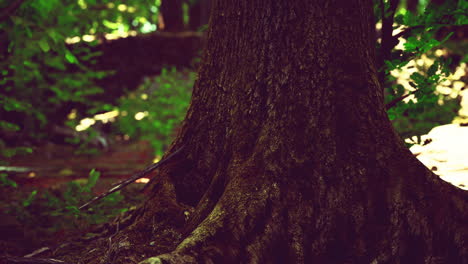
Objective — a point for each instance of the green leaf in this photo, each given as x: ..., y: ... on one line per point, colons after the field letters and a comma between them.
x: 70, y: 57
x: 7, y: 182
x: 430, y: 44
x: 72, y: 209
x: 7, y: 126
x: 110, y: 24
x: 44, y: 45
x: 417, y: 77
x: 465, y: 58
x: 433, y: 69
x: 409, y: 19
x: 54, y: 35
x: 27, y: 202
x: 412, y: 44
x: 93, y: 178
x: 28, y: 32
x: 56, y: 62
x: 400, y: 89
x: 17, y: 20
x: 390, y: 65
x: 399, y: 19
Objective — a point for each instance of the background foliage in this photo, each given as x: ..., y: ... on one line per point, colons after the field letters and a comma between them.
x: 156, y: 108
x: 43, y: 77
x: 417, y: 44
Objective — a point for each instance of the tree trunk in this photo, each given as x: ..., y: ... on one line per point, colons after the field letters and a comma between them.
x: 172, y: 15
x: 289, y: 156
x: 288, y: 135
x: 388, y: 42
x: 199, y: 14
x: 412, y: 6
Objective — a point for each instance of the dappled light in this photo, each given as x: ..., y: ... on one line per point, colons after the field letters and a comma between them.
x: 445, y: 152
x: 140, y: 115
x: 107, y: 116
x: 142, y: 180
x: 85, y: 124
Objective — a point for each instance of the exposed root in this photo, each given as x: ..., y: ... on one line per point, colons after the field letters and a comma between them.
x: 276, y: 223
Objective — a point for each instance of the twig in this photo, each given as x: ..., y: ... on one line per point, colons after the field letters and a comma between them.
x: 133, y: 178
x: 399, y: 99
x: 23, y: 260
x: 407, y: 30
x: 110, y: 255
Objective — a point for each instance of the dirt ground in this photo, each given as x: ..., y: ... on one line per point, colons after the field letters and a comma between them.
x: 27, y: 225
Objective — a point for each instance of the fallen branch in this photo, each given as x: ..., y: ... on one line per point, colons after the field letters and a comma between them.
x: 133, y: 178
x: 24, y: 260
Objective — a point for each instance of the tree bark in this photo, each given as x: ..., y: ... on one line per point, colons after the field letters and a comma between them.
x: 199, y: 14
x: 388, y: 41
x: 288, y: 136
x: 172, y: 15
x: 412, y: 6
x: 289, y: 155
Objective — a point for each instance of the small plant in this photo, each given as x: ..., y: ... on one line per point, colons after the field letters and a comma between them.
x: 65, y: 205
x: 6, y: 182
x: 55, y: 210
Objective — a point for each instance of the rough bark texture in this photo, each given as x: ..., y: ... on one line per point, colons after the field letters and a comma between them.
x: 287, y: 121
x: 289, y: 156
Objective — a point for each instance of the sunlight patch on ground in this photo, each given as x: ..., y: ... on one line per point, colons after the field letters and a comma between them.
x: 446, y: 154
x: 142, y: 180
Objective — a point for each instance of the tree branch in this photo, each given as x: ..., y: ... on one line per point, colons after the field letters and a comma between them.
x: 387, y: 41
x: 25, y: 260
x: 9, y: 10
x: 407, y: 30
x: 399, y: 99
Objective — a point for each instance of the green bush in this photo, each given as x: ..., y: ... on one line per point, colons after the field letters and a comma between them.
x: 41, y: 76
x: 414, y: 103
x: 154, y: 111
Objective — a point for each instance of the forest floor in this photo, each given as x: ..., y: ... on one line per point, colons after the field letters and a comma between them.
x: 51, y: 185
